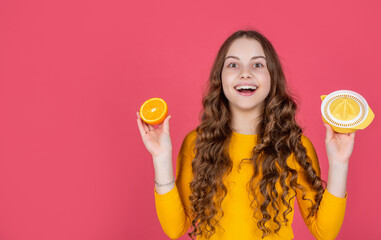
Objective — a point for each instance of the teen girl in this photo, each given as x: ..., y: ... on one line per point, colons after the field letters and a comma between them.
x: 239, y: 171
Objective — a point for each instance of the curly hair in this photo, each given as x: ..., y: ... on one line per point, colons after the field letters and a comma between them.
x: 279, y: 137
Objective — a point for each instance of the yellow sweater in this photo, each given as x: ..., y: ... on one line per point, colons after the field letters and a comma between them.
x: 173, y: 207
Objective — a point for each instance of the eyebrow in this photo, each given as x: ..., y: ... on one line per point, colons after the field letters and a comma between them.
x: 255, y: 57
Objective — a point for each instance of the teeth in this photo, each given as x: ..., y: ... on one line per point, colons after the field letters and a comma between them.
x: 245, y: 87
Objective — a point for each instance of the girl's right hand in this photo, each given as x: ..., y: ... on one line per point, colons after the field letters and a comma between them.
x: 157, y: 141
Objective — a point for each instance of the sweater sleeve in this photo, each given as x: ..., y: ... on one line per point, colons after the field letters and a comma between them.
x: 173, y: 207
x: 326, y: 223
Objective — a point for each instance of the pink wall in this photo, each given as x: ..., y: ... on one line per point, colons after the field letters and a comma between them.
x: 73, y: 74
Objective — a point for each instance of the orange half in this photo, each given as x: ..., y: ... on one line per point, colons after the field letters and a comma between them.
x: 153, y: 111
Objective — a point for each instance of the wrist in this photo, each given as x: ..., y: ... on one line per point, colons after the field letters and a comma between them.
x: 164, y: 184
x: 162, y: 158
x: 338, y: 165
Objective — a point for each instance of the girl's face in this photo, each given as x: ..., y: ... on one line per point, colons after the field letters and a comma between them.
x: 245, y: 65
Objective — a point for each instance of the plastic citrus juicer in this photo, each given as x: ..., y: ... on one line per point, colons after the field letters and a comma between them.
x: 346, y: 111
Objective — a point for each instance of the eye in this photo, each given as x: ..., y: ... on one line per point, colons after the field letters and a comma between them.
x: 258, y: 65
x: 231, y: 64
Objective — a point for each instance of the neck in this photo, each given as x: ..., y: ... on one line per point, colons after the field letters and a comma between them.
x: 245, y: 122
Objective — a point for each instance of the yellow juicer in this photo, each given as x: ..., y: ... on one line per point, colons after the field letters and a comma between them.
x: 346, y: 111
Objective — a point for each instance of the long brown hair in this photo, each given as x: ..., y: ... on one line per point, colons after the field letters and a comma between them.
x: 278, y: 137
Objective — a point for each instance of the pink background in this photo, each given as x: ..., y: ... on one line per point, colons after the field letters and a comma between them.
x: 73, y: 74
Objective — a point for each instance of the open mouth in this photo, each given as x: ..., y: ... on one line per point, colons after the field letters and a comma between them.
x: 246, y: 92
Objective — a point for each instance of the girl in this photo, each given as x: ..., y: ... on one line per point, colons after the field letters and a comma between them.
x: 239, y: 171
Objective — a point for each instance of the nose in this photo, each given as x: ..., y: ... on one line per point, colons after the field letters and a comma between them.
x: 245, y: 73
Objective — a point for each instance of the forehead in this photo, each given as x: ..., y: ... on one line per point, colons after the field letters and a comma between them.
x: 245, y: 48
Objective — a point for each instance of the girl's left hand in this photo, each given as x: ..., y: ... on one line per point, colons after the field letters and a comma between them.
x: 339, y: 146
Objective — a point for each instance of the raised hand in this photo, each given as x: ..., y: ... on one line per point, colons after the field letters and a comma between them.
x: 339, y: 146
x: 157, y: 141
